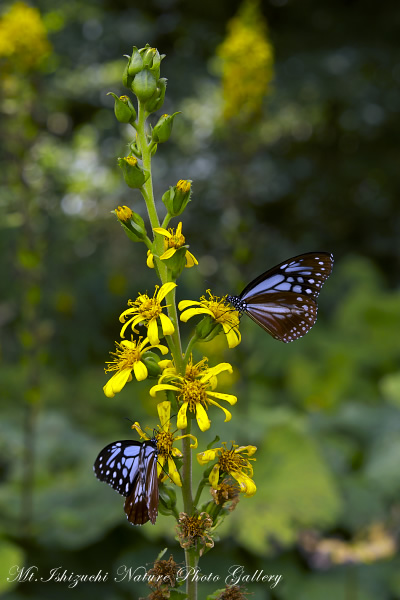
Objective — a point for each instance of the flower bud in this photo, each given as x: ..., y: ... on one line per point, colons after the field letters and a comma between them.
x: 144, y: 85
x: 157, y: 100
x: 135, y: 62
x: 177, y: 197
x: 126, y: 78
x: 134, y: 175
x: 131, y: 223
x: 151, y: 361
x: 123, y: 108
x: 207, y: 329
x: 162, y: 130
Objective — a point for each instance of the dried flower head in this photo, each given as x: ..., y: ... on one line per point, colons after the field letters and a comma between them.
x: 195, y: 530
x: 228, y: 492
x: 233, y: 592
x: 163, y: 573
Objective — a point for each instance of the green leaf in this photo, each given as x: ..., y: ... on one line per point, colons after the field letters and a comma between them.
x: 10, y: 555
x: 177, y: 595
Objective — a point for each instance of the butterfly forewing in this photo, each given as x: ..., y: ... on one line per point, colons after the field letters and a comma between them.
x: 283, y: 300
x: 131, y: 469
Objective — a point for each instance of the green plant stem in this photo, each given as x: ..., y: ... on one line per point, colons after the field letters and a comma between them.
x: 166, y: 221
x: 202, y: 483
x: 190, y: 345
x: 190, y: 553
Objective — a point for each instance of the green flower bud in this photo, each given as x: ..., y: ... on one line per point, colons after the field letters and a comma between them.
x: 151, y: 360
x: 148, y: 54
x: 134, y: 175
x: 162, y: 130
x: 131, y: 223
x: 144, y: 85
x: 207, y: 329
x: 126, y: 78
x: 157, y: 100
x: 135, y: 64
x: 177, y: 197
x: 123, y: 108
x: 167, y: 499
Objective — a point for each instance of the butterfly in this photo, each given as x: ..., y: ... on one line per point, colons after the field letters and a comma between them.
x: 283, y: 300
x: 130, y: 468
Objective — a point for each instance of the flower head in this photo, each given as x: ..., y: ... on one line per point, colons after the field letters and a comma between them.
x: 219, y: 310
x: 231, y: 462
x: 165, y: 440
x: 123, y: 213
x: 195, y: 393
x: 148, y: 311
x: 128, y: 358
x: 193, y: 530
x: 173, y: 241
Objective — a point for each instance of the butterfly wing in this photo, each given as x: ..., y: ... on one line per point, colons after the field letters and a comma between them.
x: 118, y: 465
x: 283, y: 300
x: 142, y: 503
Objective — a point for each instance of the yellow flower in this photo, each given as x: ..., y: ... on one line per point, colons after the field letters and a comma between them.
x: 195, y: 392
x: 148, y: 310
x: 165, y: 440
x: 23, y: 36
x: 123, y: 213
x: 247, y: 63
x: 233, y: 463
x: 173, y: 241
x: 128, y: 358
x: 217, y: 308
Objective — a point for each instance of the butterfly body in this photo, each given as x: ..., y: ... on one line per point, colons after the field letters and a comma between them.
x: 130, y: 468
x: 283, y: 299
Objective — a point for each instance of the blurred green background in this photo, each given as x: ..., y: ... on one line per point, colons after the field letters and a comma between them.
x: 286, y: 158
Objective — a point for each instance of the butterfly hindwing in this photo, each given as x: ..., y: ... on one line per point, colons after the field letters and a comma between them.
x: 283, y: 299
x: 130, y: 468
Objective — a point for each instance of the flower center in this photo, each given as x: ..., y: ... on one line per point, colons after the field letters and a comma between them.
x: 149, y: 308
x: 194, y: 371
x: 193, y: 392
x: 223, y: 312
x: 165, y: 440
x: 230, y: 461
x: 124, y: 357
x: 175, y: 241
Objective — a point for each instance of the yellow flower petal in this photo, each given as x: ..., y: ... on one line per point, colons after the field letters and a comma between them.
x: 212, y: 371
x: 140, y: 370
x: 181, y: 421
x: 195, y: 442
x: 202, y: 419
x: 185, y: 303
x: 192, y: 312
x: 214, y: 476
x: 233, y: 336
x: 191, y: 260
x: 140, y: 431
x: 246, y: 484
x: 164, y: 412
x: 163, y: 386
x: 173, y: 472
x: 162, y: 231
x: 166, y: 324
x: 117, y: 382
x: 168, y: 253
x: 205, y: 457
x: 164, y: 290
x: 175, y: 451
x: 250, y: 449
x: 150, y: 260
x: 227, y: 397
x: 228, y: 415
x: 152, y: 332
x: 160, y: 464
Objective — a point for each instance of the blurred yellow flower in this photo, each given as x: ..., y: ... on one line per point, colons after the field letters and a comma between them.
x: 23, y: 37
x: 232, y: 463
x: 246, y: 55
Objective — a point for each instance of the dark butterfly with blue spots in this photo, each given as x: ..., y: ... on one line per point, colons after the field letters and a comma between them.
x: 283, y: 300
x: 130, y: 468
